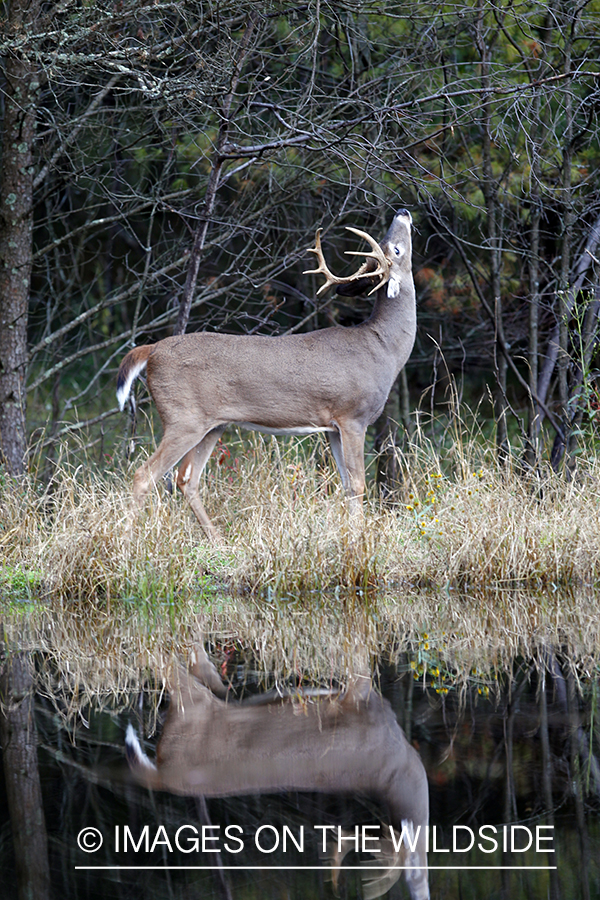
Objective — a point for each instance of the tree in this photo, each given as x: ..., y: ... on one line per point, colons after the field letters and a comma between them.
x: 185, y: 156
x: 21, y: 92
x: 18, y: 739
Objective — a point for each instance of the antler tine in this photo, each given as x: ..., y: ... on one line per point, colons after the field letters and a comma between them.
x: 376, y: 253
x: 322, y: 268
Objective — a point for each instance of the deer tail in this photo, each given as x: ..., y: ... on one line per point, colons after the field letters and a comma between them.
x: 130, y: 368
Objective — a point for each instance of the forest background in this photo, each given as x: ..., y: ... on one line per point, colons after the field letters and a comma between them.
x: 165, y: 166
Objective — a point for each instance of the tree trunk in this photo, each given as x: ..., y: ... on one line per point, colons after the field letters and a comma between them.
x: 388, y: 471
x: 578, y: 278
x: 16, y: 224
x: 532, y: 449
x: 19, y: 757
x: 566, y: 241
x: 489, y: 187
x: 547, y: 799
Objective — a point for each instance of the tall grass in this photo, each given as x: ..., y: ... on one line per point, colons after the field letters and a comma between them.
x: 460, y: 520
x: 472, y: 553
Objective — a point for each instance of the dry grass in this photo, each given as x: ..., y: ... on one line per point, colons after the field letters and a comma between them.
x: 461, y: 521
x: 93, y: 657
x: 483, y: 562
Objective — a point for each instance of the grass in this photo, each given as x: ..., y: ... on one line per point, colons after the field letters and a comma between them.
x: 485, y: 562
x: 461, y: 521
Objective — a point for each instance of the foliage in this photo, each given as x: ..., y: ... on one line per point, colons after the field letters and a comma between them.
x: 258, y: 125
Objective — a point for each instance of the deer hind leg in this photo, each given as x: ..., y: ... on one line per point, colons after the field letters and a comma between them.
x: 169, y: 451
x: 205, y: 672
x: 348, y: 448
x: 190, y: 470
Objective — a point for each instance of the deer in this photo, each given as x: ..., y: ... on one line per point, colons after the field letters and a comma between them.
x: 333, y: 380
x: 345, y: 742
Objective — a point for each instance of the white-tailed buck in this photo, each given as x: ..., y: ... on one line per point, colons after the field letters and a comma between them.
x: 343, y: 742
x: 335, y: 380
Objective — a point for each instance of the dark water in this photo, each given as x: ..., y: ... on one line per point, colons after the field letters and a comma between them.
x: 522, y: 751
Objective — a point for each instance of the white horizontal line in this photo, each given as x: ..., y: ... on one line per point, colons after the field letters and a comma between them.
x: 311, y: 868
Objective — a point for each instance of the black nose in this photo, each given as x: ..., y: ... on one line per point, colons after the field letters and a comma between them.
x: 403, y: 212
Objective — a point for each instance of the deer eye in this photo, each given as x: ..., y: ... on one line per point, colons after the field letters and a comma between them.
x: 397, y: 251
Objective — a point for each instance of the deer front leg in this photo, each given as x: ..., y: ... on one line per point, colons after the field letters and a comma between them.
x: 348, y: 448
x: 190, y: 470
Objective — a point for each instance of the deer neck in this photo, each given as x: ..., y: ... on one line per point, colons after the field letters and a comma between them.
x: 394, y: 319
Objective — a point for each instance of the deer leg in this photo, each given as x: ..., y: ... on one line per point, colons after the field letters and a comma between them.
x: 203, y: 669
x: 169, y: 451
x: 348, y: 448
x: 190, y: 470
x: 335, y: 442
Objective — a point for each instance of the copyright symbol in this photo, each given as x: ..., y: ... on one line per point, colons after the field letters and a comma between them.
x: 89, y: 840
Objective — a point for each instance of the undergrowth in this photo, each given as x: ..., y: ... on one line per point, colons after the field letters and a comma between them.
x: 460, y: 520
x: 485, y: 559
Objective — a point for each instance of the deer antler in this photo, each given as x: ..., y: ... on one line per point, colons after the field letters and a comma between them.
x: 382, y: 269
x: 331, y: 380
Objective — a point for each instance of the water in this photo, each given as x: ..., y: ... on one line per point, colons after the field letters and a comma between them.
x: 511, y: 755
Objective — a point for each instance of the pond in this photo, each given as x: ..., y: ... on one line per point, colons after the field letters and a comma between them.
x: 420, y: 768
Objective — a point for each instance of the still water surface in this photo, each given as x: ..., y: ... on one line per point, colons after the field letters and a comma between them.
x: 254, y: 796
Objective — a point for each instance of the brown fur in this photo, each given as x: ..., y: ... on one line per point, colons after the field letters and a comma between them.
x: 335, y: 380
x: 138, y: 355
x: 346, y: 743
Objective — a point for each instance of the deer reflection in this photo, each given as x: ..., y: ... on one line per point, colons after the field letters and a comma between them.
x: 345, y: 742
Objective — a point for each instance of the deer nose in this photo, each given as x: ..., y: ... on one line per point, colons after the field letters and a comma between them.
x: 403, y: 212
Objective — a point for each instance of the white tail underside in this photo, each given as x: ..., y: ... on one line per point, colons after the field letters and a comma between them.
x: 123, y: 392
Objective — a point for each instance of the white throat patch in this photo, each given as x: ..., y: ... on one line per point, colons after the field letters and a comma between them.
x: 393, y: 286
